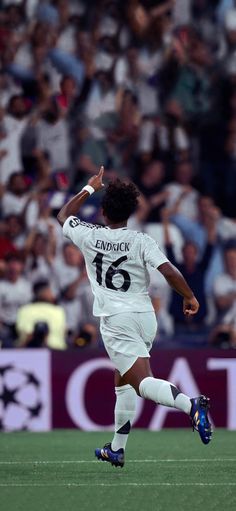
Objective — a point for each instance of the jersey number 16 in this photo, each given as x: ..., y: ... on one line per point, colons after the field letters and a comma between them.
x: 112, y: 270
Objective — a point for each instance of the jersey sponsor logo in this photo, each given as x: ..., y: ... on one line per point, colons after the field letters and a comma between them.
x: 74, y: 222
x: 116, y: 247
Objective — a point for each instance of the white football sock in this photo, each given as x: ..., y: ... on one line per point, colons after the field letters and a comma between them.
x: 125, y: 409
x: 164, y: 393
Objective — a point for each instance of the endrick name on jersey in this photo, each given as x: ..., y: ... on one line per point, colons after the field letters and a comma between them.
x: 116, y: 247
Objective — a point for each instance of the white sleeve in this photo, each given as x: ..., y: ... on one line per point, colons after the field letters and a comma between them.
x: 76, y: 230
x: 153, y: 256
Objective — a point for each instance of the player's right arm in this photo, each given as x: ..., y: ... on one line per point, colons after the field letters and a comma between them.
x: 73, y: 205
x: 176, y: 280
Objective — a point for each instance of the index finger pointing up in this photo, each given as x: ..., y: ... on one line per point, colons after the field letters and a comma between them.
x: 101, y: 171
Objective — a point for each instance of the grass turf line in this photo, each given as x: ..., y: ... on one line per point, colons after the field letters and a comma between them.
x: 55, y: 471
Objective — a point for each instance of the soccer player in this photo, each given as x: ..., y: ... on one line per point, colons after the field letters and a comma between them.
x: 117, y: 261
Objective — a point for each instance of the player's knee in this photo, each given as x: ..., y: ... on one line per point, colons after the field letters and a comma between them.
x: 135, y: 384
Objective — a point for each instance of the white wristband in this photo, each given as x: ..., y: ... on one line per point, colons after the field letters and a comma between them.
x: 88, y: 189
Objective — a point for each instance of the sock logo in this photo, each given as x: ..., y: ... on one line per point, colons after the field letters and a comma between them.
x: 174, y: 391
x: 124, y: 430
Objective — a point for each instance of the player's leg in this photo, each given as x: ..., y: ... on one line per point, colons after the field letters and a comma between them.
x: 124, y: 412
x: 160, y: 391
x: 167, y: 394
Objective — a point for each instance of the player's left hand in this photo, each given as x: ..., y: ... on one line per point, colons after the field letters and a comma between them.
x: 190, y: 306
x: 96, y: 181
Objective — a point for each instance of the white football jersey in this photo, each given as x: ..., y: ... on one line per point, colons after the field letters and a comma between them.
x: 117, y: 262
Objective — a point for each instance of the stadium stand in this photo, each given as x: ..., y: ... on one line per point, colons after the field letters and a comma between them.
x: 147, y: 89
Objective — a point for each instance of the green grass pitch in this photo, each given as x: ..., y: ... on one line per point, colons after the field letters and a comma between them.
x: 169, y: 470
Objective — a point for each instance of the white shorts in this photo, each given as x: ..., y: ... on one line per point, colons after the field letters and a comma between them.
x: 127, y: 337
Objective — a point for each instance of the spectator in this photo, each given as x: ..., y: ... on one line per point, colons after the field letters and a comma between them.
x: 7, y: 89
x: 101, y: 104
x: 12, y: 127
x: 15, y: 198
x: 225, y: 284
x: 43, y: 309
x: 71, y: 282
x: 67, y: 94
x: 41, y: 252
x: 69, y: 273
x: 181, y: 195
x: 151, y: 185
x: 194, y: 84
x: 15, y: 231
x: 125, y: 133
x: 196, y: 231
x: 194, y: 270
x: 52, y: 138
x: 15, y: 291
x: 38, y: 215
x: 173, y: 133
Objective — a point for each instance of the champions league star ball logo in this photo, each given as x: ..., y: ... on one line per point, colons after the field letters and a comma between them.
x: 20, y: 398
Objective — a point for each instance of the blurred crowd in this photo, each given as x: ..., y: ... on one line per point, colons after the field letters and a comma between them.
x: 146, y: 88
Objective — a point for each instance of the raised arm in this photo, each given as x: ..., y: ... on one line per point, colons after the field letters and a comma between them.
x: 176, y: 280
x: 73, y: 205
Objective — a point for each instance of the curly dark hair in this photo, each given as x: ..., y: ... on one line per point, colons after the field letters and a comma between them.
x: 120, y: 201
